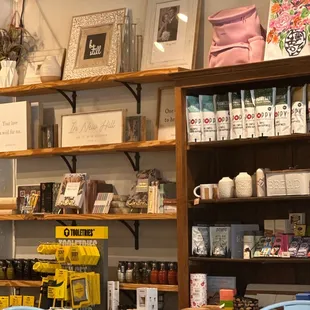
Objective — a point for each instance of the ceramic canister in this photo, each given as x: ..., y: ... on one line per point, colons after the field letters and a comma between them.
x: 226, y: 188
x: 50, y: 70
x: 244, y: 185
x: 198, y: 290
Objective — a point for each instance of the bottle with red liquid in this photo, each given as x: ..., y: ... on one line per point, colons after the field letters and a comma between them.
x: 163, y: 274
x: 154, y: 274
x: 172, y: 274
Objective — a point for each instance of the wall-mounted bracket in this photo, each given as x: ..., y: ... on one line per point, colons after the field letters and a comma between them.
x: 71, y: 100
x: 71, y: 167
x: 134, y: 231
x: 135, y: 163
x: 136, y: 94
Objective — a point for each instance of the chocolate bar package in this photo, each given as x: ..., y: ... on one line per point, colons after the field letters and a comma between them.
x: 304, y: 247
x: 294, y: 246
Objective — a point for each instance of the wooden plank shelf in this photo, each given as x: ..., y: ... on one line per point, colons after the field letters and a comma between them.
x: 88, y: 217
x: 263, y: 260
x: 198, y: 146
x: 160, y: 287
x: 102, y: 81
x: 19, y: 283
x: 145, y: 146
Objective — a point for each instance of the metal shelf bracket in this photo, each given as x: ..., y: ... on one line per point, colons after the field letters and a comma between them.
x: 135, y: 163
x: 72, y: 100
x: 136, y: 94
x: 134, y: 231
x: 72, y: 166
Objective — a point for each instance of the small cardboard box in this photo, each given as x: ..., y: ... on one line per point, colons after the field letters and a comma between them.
x: 147, y: 298
x: 113, y: 295
x: 269, y: 227
x: 282, y: 227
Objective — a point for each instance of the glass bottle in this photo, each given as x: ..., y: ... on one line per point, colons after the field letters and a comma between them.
x: 145, y: 273
x: 163, y: 274
x: 10, y: 270
x: 154, y: 273
x: 129, y: 272
x: 139, y: 51
x: 133, y: 48
x: 2, y: 270
x: 121, y: 272
x: 126, y: 45
x: 172, y: 274
x: 136, y: 273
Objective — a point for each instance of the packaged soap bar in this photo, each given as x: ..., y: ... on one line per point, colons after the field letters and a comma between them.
x: 194, y: 124
x: 200, y: 241
x: 248, y: 102
x: 208, y: 118
x: 275, y: 251
x: 304, y: 247
x: 267, y: 246
x: 264, y: 109
x: 236, y: 116
x: 220, y: 241
x: 222, y: 117
x: 294, y: 246
x: 283, y: 111
x: 299, y: 110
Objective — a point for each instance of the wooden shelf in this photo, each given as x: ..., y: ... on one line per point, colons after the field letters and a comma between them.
x: 145, y: 146
x: 103, y: 81
x: 160, y: 287
x: 267, y: 260
x: 88, y: 217
x: 19, y: 283
x: 251, y: 200
x: 254, y: 141
x: 283, y: 69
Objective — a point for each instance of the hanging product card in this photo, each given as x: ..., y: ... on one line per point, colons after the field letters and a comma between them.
x: 208, y: 118
x: 222, y: 117
x: 236, y: 113
x: 193, y: 114
x: 283, y: 111
x: 15, y: 126
x: 264, y: 108
x: 248, y: 102
x: 94, y: 128
x: 299, y: 117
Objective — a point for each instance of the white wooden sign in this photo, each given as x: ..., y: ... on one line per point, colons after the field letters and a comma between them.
x: 15, y: 126
x: 103, y: 127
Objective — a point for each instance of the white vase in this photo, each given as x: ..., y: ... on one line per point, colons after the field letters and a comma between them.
x: 226, y: 188
x: 50, y: 70
x: 8, y: 73
x: 244, y: 185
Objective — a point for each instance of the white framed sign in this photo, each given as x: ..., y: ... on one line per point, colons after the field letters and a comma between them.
x: 165, y: 122
x: 15, y: 126
x: 102, y: 127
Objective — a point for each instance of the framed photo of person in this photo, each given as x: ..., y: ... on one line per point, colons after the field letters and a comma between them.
x: 171, y: 32
x: 94, y: 44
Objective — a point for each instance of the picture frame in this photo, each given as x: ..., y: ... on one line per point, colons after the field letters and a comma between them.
x: 171, y: 34
x: 135, y: 128
x: 165, y: 120
x: 93, y: 128
x: 94, y: 44
x: 35, y: 61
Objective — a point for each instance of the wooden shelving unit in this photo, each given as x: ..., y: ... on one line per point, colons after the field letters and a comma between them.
x: 160, y: 287
x: 208, y: 162
x: 103, y: 81
x: 88, y: 217
x: 145, y: 146
x: 19, y: 283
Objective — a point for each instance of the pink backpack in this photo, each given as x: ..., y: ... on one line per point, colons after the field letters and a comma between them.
x: 237, y: 37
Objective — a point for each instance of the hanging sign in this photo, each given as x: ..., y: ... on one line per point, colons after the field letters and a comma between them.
x: 81, y: 232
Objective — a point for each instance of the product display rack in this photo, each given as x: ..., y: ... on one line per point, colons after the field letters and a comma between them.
x: 208, y: 162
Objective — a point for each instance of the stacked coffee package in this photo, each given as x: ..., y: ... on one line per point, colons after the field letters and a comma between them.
x: 248, y: 114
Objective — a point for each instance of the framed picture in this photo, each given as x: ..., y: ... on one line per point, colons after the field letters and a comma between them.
x: 94, y: 44
x: 102, y: 127
x: 135, y: 128
x: 165, y: 122
x: 35, y: 61
x: 171, y: 32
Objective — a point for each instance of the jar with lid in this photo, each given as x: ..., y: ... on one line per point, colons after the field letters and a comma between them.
x: 136, y: 273
x: 2, y: 270
x: 129, y: 272
x: 163, y: 274
x: 10, y: 275
x: 146, y: 272
x: 121, y: 273
x: 154, y: 273
x: 172, y: 274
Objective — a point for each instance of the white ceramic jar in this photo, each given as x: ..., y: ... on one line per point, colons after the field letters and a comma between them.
x: 226, y: 188
x: 50, y: 70
x: 244, y: 185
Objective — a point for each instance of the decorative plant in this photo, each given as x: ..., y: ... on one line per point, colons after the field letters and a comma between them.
x: 15, y: 43
x: 289, y: 25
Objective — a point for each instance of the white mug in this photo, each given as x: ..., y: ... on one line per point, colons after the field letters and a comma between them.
x: 207, y: 191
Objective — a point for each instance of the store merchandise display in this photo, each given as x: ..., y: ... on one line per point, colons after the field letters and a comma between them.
x: 18, y: 269
x: 148, y: 272
x: 247, y: 114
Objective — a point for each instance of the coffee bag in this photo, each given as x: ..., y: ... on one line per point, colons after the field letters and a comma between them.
x: 283, y: 111
x: 236, y: 116
x: 194, y: 123
x: 299, y: 110
x: 248, y: 103
x: 208, y: 118
x: 222, y: 117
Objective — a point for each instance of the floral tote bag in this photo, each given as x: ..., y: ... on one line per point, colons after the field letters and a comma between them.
x: 288, y: 32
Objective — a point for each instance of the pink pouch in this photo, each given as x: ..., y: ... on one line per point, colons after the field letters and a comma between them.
x: 235, y: 25
x: 257, y: 49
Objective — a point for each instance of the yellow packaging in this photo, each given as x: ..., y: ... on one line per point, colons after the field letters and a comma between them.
x: 79, y: 291
x: 4, y: 302
x: 62, y: 277
x: 97, y: 300
x: 91, y: 283
x: 96, y: 254
x: 88, y: 260
x: 62, y: 254
x: 77, y: 255
x: 47, y: 248
x: 28, y: 301
x: 16, y: 300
